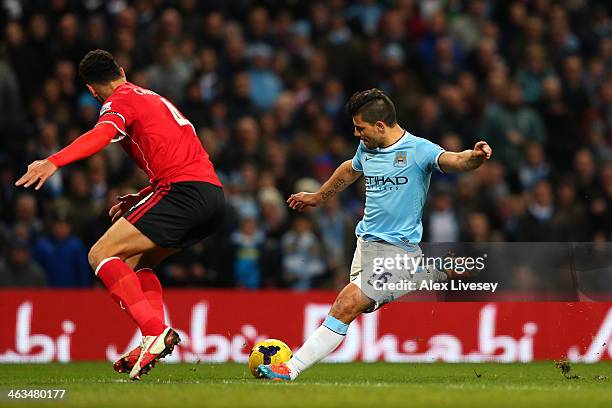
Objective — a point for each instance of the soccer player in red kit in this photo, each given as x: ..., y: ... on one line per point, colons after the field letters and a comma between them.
x: 183, y: 204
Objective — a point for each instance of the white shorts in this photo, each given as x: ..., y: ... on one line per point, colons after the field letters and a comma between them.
x: 370, y: 281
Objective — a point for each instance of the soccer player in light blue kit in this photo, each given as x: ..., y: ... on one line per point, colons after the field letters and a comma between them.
x: 396, y: 166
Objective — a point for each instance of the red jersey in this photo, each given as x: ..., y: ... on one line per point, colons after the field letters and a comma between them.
x: 159, y: 138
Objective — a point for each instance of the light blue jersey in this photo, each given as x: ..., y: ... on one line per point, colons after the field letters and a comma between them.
x: 397, y: 180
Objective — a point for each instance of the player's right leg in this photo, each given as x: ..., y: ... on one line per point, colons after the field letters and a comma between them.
x: 143, y: 265
x: 349, y: 304
x: 175, y: 216
x: 361, y: 295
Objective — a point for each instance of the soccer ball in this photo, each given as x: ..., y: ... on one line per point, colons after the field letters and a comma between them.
x: 269, y: 351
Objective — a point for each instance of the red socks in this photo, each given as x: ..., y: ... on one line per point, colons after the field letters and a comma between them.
x: 152, y: 290
x: 125, y: 289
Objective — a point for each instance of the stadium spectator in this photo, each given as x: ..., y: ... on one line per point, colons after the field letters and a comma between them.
x: 169, y: 74
x: 304, y: 259
x: 247, y: 243
x: 560, y: 122
x: 536, y: 224
x: 18, y: 269
x: 535, y: 167
x: 10, y: 99
x: 571, y: 221
x: 27, y: 225
x: 62, y: 255
x: 337, y: 232
x: 510, y: 126
x: 479, y: 229
x: 79, y: 203
x: 441, y: 223
x: 264, y: 85
x: 274, y: 225
x: 535, y: 71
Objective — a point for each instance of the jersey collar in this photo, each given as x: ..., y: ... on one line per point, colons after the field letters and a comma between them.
x: 391, y: 146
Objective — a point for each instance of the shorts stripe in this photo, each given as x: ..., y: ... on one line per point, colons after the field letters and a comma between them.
x: 150, y: 199
x: 136, y: 215
x: 162, y: 192
x: 158, y: 195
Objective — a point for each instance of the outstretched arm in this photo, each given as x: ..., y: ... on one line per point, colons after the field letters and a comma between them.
x: 344, y: 176
x: 86, y: 145
x: 466, y: 160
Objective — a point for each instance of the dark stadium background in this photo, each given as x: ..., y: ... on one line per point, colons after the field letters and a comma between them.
x: 264, y: 83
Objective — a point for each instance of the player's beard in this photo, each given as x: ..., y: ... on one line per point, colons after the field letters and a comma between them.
x: 369, y: 143
x: 96, y: 94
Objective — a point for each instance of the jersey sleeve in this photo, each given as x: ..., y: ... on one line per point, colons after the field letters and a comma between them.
x: 427, y: 155
x: 118, y: 113
x: 356, y: 162
x: 84, y: 146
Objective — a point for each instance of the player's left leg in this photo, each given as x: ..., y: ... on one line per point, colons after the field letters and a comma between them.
x: 107, y: 257
x: 123, y: 241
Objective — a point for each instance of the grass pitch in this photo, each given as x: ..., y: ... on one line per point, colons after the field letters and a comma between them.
x: 325, y: 385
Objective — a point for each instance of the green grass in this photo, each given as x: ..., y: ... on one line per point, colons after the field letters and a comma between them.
x: 325, y: 385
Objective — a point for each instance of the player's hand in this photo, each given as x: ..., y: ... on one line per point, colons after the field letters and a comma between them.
x: 125, y: 203
x: 299, y: 201
x: 482, y: 150
x: 38, y: 172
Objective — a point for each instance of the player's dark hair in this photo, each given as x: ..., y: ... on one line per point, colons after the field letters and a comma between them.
x: 99, y: 67
x: 373, y: 105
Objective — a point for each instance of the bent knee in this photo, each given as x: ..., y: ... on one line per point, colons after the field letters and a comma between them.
x: 94, y: 256
x: 349, y: 304
x: 98, y: 253
x: 345, y: 309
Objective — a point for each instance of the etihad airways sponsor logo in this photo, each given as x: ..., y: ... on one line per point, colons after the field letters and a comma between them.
x: 385, y: 182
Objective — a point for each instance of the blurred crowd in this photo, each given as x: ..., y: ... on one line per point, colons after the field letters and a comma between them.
x: 265, y: 82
